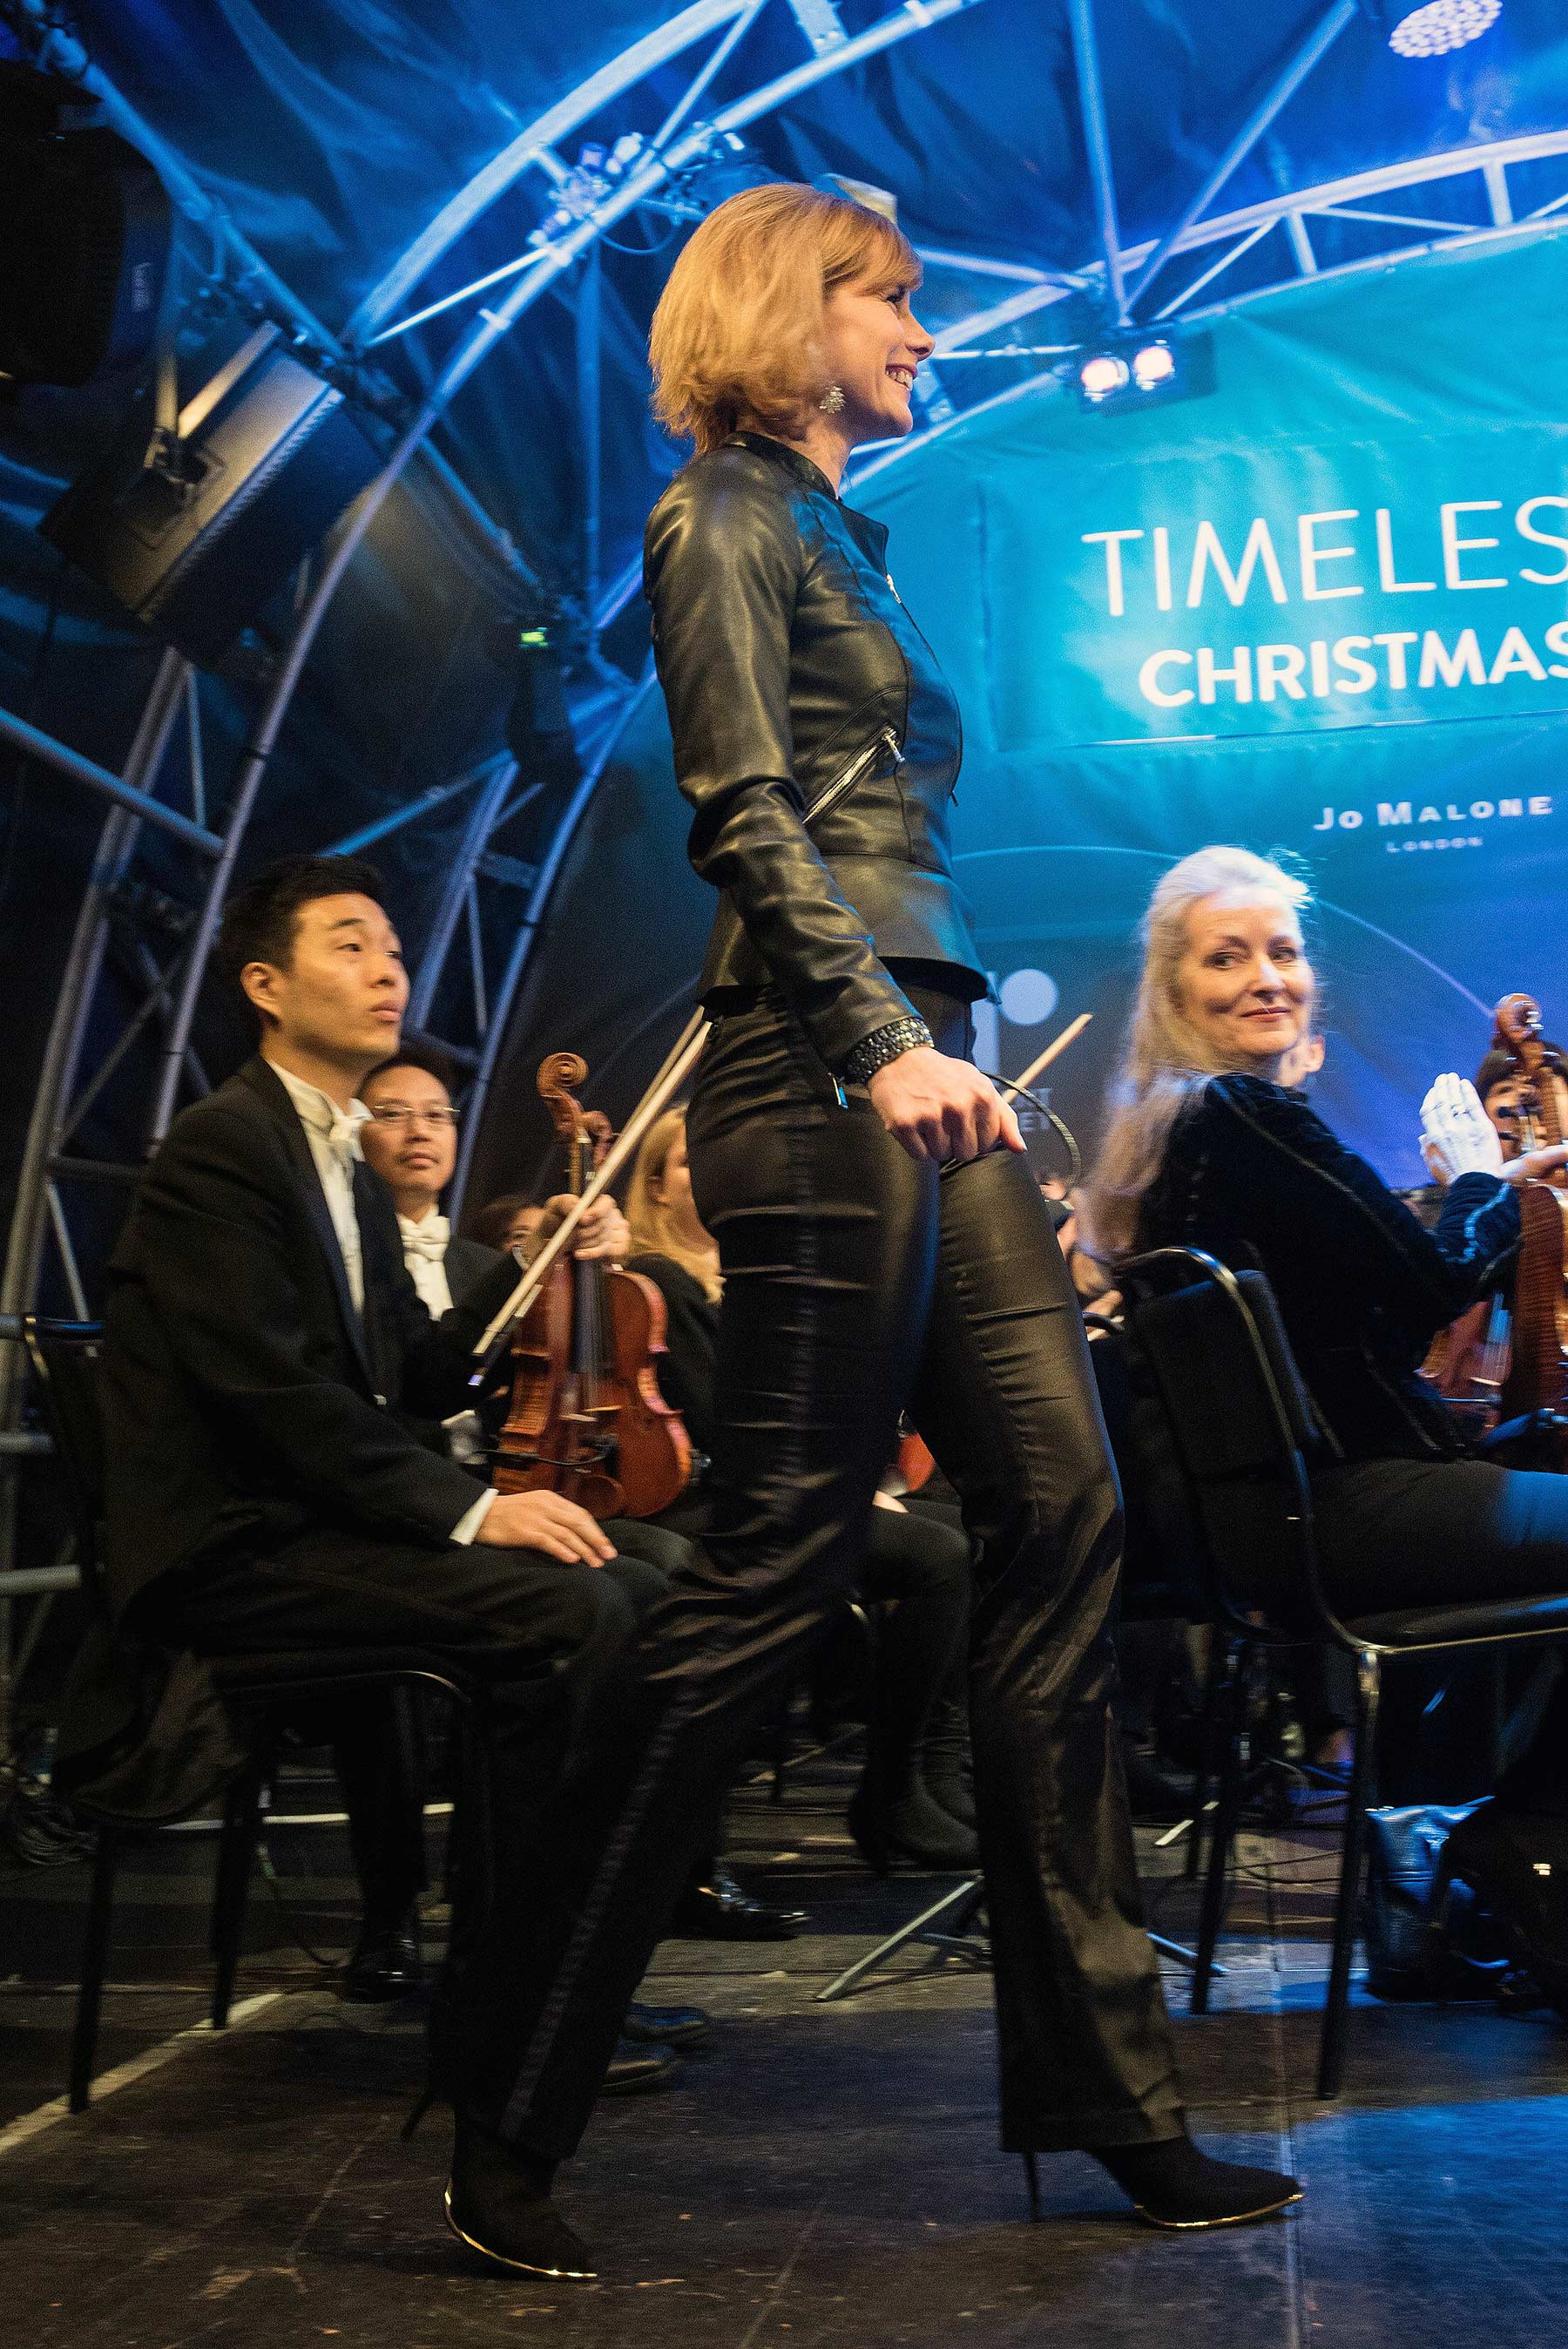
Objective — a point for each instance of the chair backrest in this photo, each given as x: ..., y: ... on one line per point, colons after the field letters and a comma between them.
x: 1216, y: 1349
x: 65, y: 1357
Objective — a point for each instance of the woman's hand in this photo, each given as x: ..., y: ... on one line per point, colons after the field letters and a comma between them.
x: 1457, y: 1135
x: 941, y: 1109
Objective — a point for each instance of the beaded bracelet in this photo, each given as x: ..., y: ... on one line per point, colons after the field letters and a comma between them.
x: 883, y: 1045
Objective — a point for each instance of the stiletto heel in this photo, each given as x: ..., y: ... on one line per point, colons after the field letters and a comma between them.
x: 1032, y: 2178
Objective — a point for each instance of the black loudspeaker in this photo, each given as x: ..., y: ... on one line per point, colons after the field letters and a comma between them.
x: 85, y: 240
x: 195, y: 535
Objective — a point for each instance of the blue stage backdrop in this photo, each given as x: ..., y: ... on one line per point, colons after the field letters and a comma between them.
x: 1321, y: 608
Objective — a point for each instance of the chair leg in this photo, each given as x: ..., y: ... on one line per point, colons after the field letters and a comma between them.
x: 95, y: 1966
x: 1232, y: 1711
x: 1204, y: 1781
x: 1337, y: 2007
x: 236, y: 1857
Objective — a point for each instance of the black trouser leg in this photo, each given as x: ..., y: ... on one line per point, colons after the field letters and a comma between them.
x: 830, y: 1237
x: 1006, y: 1400
x: 379, y: 1757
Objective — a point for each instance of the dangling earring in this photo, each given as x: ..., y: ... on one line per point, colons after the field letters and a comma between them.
x: 832, y: 400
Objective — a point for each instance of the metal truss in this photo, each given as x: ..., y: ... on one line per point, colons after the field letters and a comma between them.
x: 1362, y: 196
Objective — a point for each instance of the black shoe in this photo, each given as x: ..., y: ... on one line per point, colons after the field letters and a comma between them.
x: 665, y: 2026
x: 1171, y: 2184
x: 498, y: 2203
x: 910, y: 1828
x: 386, y: 1964
x: 637, y: 2070
x: 722, y: 1910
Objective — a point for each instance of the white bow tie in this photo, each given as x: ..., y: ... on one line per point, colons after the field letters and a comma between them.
x: 427, y: 1238
x: 343, y: 1135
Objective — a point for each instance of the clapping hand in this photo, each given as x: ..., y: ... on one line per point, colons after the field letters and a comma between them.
x: 1458, y: 1138
x: 1457, y: 1135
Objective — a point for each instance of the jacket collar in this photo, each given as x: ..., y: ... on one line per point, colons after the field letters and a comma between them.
x: 761, y: 444
x: 272, y: 1095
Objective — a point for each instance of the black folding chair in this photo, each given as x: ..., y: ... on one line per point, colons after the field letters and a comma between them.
x: 262, y: 1692
x: 1245, y: 1433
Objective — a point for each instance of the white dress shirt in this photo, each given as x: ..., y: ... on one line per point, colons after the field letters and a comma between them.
x: 333, y: 1137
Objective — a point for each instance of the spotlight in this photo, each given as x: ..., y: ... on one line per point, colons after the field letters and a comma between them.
x: 1155, y: 364
x: 1101, y: 374
x: 1433, y: 28
x: 1128, y: 370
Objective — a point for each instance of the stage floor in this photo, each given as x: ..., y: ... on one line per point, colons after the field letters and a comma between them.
x: 822, y: 2177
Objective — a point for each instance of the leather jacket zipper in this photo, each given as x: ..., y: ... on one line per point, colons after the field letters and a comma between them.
x: 834, y: 791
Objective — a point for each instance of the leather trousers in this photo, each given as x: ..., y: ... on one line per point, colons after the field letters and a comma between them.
x: 858, y: 1284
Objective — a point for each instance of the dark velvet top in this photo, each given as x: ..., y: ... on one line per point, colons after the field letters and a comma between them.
x: 685, y: 1368
x: 1253, y: 1175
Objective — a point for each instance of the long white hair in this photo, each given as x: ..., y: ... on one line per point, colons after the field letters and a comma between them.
x: 1165, y: 1061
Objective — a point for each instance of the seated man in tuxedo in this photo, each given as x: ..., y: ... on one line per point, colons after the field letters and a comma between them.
x: 264, y: 1342
x: 411, y: 1141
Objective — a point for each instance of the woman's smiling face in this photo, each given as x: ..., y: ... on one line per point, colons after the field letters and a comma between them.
x: 873, y: 346
x: 1244, y: 983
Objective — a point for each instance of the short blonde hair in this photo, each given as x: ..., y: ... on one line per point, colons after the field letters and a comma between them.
x: 738, y: 329
x: 654, y: 1231
x: 1165, y: 1063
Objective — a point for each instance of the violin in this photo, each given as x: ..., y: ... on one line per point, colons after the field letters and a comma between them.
x: 586, y: 1417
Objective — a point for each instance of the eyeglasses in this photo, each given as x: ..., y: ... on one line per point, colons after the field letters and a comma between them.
x: 396, y: 1115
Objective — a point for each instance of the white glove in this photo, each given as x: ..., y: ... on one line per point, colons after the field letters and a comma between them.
x: 1457, y: 1135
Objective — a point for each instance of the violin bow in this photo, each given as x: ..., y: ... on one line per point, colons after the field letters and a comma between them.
x: 1059, y: 1044
x: 678, y: 1067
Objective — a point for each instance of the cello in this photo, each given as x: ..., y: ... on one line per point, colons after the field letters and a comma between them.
x: 586, y: 1417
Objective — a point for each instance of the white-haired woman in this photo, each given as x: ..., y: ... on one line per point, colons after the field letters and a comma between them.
x: 884, y: 1246
x: 1209, y: 1146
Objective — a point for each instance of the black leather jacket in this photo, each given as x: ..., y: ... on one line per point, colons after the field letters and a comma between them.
x: 816, y: 739
x: 1253, y: 1175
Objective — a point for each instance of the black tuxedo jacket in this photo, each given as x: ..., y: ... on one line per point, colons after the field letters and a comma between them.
x: 245, y: 1399
x: 470, y: 1262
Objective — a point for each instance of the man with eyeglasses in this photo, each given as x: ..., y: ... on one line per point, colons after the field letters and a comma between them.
x: 411, y: 1141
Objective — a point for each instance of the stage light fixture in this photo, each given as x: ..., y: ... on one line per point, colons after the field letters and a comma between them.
x: 1155, y: 364
x: 1434, y: 26
x: 1101, y: 374
x: 1128, y: 370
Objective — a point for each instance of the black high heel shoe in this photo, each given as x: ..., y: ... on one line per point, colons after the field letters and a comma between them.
x: 1172, y: 2184
x: 498, y: 2203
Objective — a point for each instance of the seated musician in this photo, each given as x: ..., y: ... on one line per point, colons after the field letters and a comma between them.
x: 912, y: 1801
x: 410, y: 1139
x: 511, y: 1221
x: 1206, y: 1147
x: 265, y: 1489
